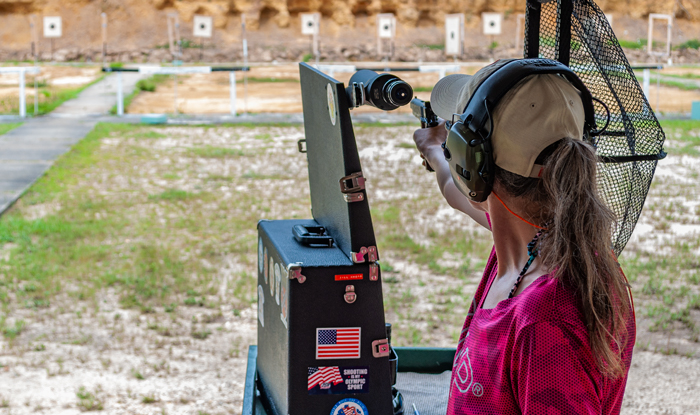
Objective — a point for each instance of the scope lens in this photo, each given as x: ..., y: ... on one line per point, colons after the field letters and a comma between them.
x: 398, y: 92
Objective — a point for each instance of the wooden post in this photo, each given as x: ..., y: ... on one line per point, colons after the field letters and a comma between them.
x: 104, y: 38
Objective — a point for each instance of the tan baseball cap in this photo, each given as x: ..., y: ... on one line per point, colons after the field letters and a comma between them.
x: 537, y: 112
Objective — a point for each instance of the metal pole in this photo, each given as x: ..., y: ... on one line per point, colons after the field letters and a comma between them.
x: 175, y: 90
x: 104, y: 38
x: 645, y: 82
x: 120, y: 95
x: 232, y: 78
x: 22, y: 97
x: 245, y: 64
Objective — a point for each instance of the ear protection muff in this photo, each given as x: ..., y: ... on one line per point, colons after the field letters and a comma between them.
x: 468, y: 148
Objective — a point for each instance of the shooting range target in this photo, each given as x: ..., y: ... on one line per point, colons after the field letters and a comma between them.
x: 454, y: 29
x: 52, y: 26
x: 492, y: 23
x: 203, y: 26
x: 310, y: 23
x: 386, y: 25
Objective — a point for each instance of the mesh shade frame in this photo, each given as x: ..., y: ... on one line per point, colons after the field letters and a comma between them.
x: 596, y: 56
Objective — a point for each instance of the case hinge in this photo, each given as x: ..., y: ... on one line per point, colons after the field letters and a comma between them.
x: 352, y: 183
x: 373, y: 272
x: 380, y: 348
x: 294, y: 272
x: 359, y: 257
x: 354, y: 197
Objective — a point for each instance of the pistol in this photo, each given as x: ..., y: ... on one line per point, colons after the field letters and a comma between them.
x: 421, y: 110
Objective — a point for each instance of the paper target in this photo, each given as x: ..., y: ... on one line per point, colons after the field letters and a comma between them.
x: 52, y: 26
x: 454, y: 29
x: 386, y: 25
x: 310, y: 23
x: 203, y: 26
x: 492, y: 23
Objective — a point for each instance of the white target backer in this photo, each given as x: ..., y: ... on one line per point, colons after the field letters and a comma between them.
x: 386, y: 25
x: 310, y: 23
x: 454, y: 33
x: 52, y: 26
x: 492, y: 23
x: 203, y: 26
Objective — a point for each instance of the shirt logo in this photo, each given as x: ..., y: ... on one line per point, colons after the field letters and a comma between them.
x: 463, y: 375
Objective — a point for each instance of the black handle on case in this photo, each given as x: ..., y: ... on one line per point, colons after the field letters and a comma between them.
x: 313, y: 236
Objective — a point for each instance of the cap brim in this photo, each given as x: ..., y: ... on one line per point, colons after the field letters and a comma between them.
x: 446, y: 95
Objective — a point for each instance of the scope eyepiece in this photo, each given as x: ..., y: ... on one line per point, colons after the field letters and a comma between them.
x: 384, y: 91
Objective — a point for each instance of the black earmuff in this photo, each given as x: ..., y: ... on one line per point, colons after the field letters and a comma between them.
x: 468, y: 147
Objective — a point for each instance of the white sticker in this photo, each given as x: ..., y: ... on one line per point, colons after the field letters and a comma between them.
x: 276, y: 271
x: 331, y: 103
x: 261, y: 259
x: 284, y: 300
x: 265, y: 265
x: 278, y: 280
x: 261, y: 303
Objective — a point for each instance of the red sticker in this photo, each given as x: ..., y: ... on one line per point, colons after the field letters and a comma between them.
x: 349, y: 277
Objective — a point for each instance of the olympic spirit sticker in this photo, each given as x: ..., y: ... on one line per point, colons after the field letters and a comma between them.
x: 331, y: 103
x: 349, y: 406
x: 265, y: 265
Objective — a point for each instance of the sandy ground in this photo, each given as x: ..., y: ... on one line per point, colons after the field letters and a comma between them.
x: 210, y: 93
x: 151, y: 364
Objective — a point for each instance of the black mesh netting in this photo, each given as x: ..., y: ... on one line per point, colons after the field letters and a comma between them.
x: 597, y: 58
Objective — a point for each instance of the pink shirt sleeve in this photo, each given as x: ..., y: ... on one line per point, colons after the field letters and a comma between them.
x: 549, y: 371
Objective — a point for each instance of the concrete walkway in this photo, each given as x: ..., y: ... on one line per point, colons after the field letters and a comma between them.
x: 29, y: 150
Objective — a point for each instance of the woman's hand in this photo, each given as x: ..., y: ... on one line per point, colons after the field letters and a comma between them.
x: 429, y: 143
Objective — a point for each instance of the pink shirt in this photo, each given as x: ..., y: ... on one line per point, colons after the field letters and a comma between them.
x: 530, y: 355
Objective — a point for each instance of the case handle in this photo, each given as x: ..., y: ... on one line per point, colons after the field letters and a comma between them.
x: 313, y: 236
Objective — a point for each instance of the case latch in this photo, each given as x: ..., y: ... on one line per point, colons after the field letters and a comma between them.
x: 301, y: 145
x: 359, y: 257
x: 373, y: 272
x: 350, y: 295
x: 294, y: 272
x: 352, y: 183
x: 381, y: 348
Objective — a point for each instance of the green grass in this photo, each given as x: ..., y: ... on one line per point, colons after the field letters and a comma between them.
x: 423, y: 89
x: 633, y: 44
x: 49, y: 99
x: 687, y: 132
x: 431, y: 46
x: 88, y: 401
x: 149, y: 84
x: 5, y: 128
x: 217, y: 152
x: 688, y: 44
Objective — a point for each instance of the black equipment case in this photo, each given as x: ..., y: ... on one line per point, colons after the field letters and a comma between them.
x: 322, y: 343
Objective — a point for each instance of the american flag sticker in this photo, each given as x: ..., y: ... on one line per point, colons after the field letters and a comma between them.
x: 324, y: 377
x: 338, y: 343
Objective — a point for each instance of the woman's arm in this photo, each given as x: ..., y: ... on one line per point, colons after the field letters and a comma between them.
x: 429, y: 141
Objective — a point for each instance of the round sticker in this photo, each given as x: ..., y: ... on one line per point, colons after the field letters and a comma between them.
x: 261, y: 260
x: 331, y: 103
x: 266, y: 267
x: 275, y: 284
x: 349, y: 406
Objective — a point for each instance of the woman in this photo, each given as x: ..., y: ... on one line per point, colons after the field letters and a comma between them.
x: 551, y: 327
